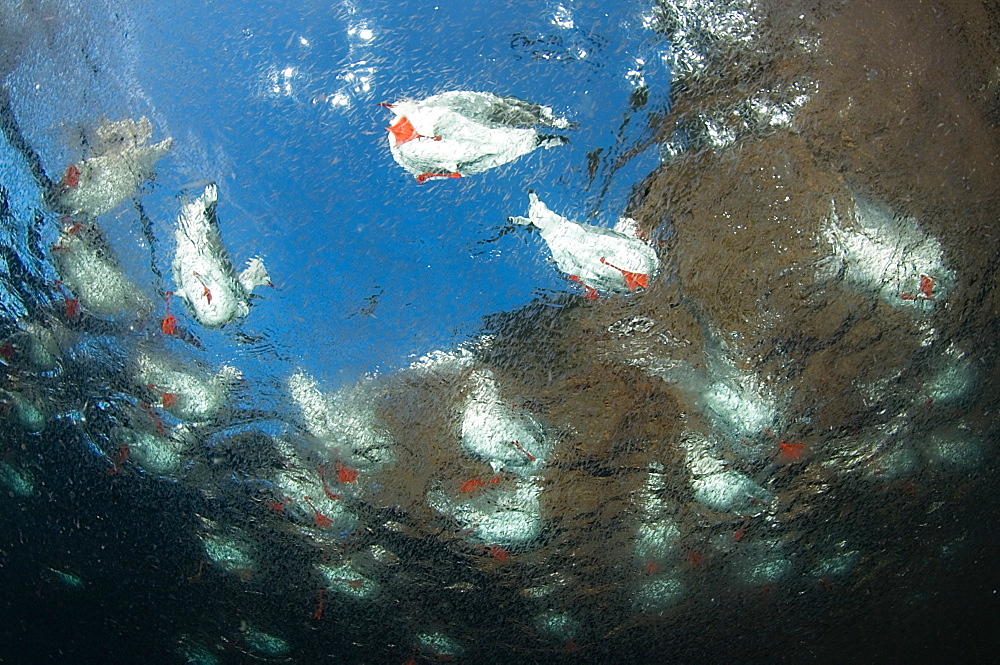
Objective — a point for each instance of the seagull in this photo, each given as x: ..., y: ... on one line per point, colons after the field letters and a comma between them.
x: 87, y: 265
x: 123, y: 160
x: 203, y: 272
x: 186, y: 392
x: 460, y: 133
x: 506, y: 438
x: 599, y: 259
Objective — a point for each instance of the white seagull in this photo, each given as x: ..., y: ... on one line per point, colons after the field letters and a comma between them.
x: 123, y: 159
x: 87, y: 265
x: 203, y: 272
x: 507, y: 439
x: 600, y: 259
x: 460, y: 133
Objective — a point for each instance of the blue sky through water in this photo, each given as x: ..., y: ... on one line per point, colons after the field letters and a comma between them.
x: 279, y: 105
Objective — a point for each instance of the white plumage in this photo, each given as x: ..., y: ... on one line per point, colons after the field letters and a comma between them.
x: 186, y: 392
x: 461, y: 133
x: 507, y: 439
x: 123, y: 160
x: 203, y: 272
x: 601, y: 259
x: 89, y: 268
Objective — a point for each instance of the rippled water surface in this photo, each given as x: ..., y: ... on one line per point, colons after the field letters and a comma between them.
x: 772, y: 438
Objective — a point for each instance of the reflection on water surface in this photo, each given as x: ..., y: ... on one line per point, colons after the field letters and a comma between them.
x: 779, y: 445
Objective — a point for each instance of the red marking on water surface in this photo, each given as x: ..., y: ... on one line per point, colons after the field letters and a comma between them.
x: 7, y: 351
x: 169, y: 400
x: 651, y: 568
x: 72, y: 178
x: 322, y: 520
x: 633, y: 280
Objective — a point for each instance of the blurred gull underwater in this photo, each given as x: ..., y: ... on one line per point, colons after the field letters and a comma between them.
x: 122, y: 160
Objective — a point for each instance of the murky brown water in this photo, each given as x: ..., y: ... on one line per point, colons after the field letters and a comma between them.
x: 903, y: 110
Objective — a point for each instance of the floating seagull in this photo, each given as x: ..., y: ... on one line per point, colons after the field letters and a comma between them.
x: 203, y: 272
x: 187, y: 393
x: 461, y: 133
x: 343, y: 422
x: 28, y: 409
x: 506, y: 438
x: 598, y: 258
x: 87, y: 265
x: 35, y: 347
x: 122, y: 161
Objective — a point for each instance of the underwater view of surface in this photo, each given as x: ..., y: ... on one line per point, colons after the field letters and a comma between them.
x: 548, y: 331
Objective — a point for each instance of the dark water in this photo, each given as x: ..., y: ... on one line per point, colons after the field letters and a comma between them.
x: 782, y: 450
